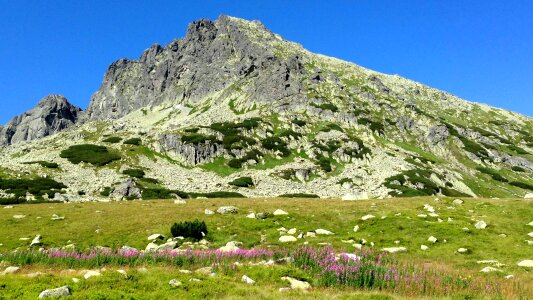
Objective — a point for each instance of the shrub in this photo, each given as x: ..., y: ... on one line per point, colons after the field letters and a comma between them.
x: 298, y: 122
x: 518, y: 169
x: 299, y: 195
x: 162, y: 193
x: 93, y: 154
x: 112, y: 140
x: 106, y: 192
x: 37, y: 187
x: 195, y: 230
x: 325, y: 164
x: 137, y: 173
x: 326, y: 106
x: 493, y: 173
x: 517, y: 149
x: 8, y: 201
x: 276, y: 144
x: 43, y: 164
x: 196, y: 138
x: 133, y: 141
x: 522, y: 185
x: 221, y: 194
x: 242, y: 182
x: 474, y: 147
x: 235, y: 163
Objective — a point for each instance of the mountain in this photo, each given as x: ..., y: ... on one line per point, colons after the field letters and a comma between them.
x: 51, y: 115
x: 233, y: 109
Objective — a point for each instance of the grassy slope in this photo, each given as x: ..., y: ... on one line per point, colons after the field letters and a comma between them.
x: 129, y: 223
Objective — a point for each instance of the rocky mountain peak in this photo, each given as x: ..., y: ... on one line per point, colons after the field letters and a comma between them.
x: 52, y: 114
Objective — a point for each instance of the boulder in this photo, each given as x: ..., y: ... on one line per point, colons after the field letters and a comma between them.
x: 209, y: 212
x: 247, y: 279
x: 353, y: 197
x: 457, y: 202
x: 462, y: 250
x: 227, y: 210
x: 126, y: 190
x: 424, y: 247
x: 528, y: 196
x: 297, y: 284
x: 61, y: 292
x: 174, y: 283
x: 291, y: 231
x: 280, y: 212
x: 156, y: 236
x: 251, y: 216
x: 489, y: 269
x: 36, y: 241
x: 90, y: 274
x: 481, y: 225
x: 230, y: 247
x: 356, y: 228
x: 261, y: 215
x: 287, y: 239
x: 10, y: 270
x: 394, y: 249
x: 323, y: 232
x: 180, y: 201
x: 57, y: 218
x: 526, y: 263
x: 432, y: 239
x: 367, y: 217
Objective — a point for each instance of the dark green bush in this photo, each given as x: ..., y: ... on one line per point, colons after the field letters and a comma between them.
x: 415, y: 177
x: 517, y: 149
x: 518, y: 169
x: 162, y: 193
x: 298, y: 122
x: 133, y: 141
x: 493, y: 173
x: 290, y: 133
x: 37, y: 187
x: 326, y: 106
x: 217, y: 195
x: 453, y: 193
x: 112, y: 140
x: 195, y: 230
x: 522, y: 185
x: 276, y: 144
x: 325, y: 164
x: 474, y: 147
x: 137, y: 173
x: 235, y: 163
x: 237, y: 142
x: 196, y: 138
x: 299, y: 195
x: 242, y: 182
x: 9, y: 201
x: 229, y: 128
x: 192, y: 130
x: 43, y: 164
x: 106, y: 192
x: 93, y: 154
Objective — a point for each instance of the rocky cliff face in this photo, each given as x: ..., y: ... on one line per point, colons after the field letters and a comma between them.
x: 212, y: 57
x: 52, y: 114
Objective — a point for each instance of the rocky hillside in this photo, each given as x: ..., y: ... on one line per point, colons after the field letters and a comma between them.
x: 233, y: 109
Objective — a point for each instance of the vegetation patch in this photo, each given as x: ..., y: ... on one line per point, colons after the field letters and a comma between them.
x: 299, y: 195
x: 133, y: 141
x: 242, y: 182
x: 195, y: 230
x: 493, y: 173
x: 373, y: 125
x: 522, y: 185
x: 326, y: 106
x: 517, y: 149
x: 253, y: 154
x: 112, y: 140
x: 37, y: 187
x: 93, y: 154
x: 196, y: 138
x: 229, y: 128
x: 136, y: 173
x: 44, y: 164
x: 106, y: 191
x: 275, y: 143
x: 415, y: 183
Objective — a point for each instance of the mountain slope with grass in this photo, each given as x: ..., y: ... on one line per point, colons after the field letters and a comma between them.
x: 233, y: 109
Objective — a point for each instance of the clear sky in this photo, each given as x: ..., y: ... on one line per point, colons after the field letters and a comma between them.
x: 478, y: 50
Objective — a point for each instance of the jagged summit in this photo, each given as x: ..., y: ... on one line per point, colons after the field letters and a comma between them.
x: 232, y: 105
x: 52, y: 114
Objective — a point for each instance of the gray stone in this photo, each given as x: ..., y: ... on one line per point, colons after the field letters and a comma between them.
x: 61, y: 292
x: 52, y: 114
x: 126, y: 189
x: 227, y: 210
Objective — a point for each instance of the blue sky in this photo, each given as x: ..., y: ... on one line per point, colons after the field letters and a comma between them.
x: 478, y: 50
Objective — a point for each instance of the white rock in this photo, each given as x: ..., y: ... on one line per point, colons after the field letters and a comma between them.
x: 19, y: 216
x: 526, y: 263
x: 287, y: 239
x: 209, y: 212
x: 36, y: 241
x: 422, y: 216
x: 429, y: 208
x: 75, y: 280
x: 509, y: 276
x: 528, y: 196
x: 530, y: 223
x: 8, y: 206
x: 457, y: 202
x: 462, y: 250
x: 352, y: 197
x: 174, y: 283
x: 227, y: 210
x: 180, y: 201
x: 367, y: 217
x: 394, y: 249
x: 61, y: 292
x: 356, y: 228
x: 433, y: 215
x: 57, y: 218
x: 323, y: 232
x: 90, y: 274
x: 310, y: 234
x: 481, y: 225
x: 151, y: 247
x: 297, y: 284
x: 230, y: 247
x: 280, y: 212
x: 424, y: 247
x: 156, y: 236
x: 489, y: 269
x: 432, y: 239
x: 251, y: 216
x: 10, y: 270
x: 530, y: 234
x: 247, y: 279
x: 122, y: 272
x: 358, y: 246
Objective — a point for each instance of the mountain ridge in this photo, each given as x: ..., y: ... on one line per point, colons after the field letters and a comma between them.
x: 232, y: 99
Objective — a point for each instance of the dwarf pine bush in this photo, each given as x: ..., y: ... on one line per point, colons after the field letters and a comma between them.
x: 189, y: 229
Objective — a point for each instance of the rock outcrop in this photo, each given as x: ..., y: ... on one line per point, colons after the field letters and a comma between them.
x: 52, y: 114
x: 211, y: 57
